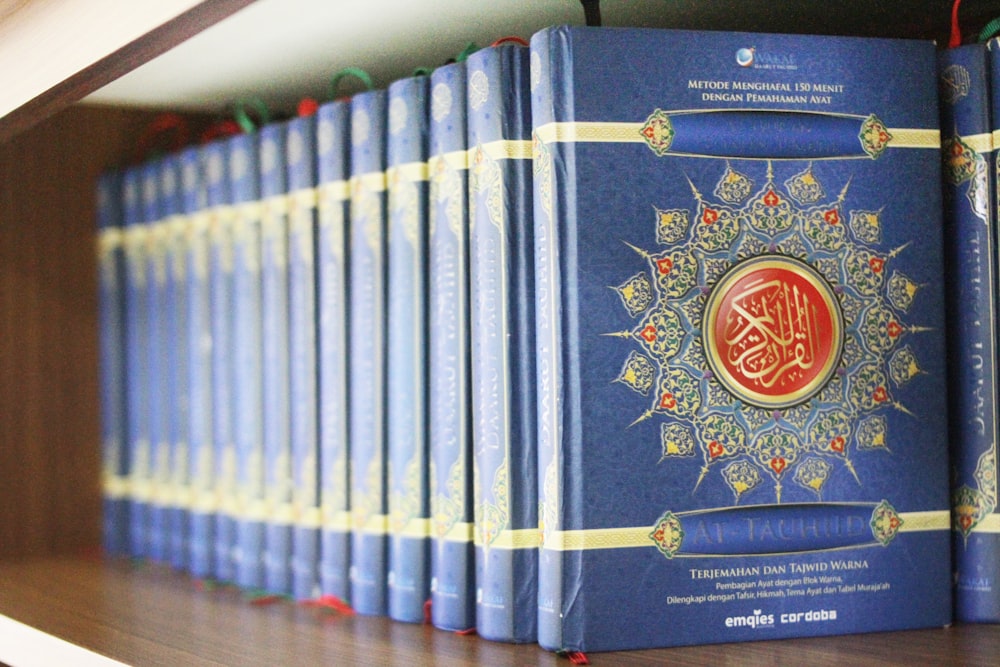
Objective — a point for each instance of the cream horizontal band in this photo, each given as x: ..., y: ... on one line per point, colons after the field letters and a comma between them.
x: 982, y: 143
x: 630, y: 133
x: 334, y: 191
x: 411, y: 172
x: 504, y: 149
x: 376, y: 524
x: 110, y: 238
x: 526, y: 538
x: 624, y: 538
x: 914, y: 522
x: 337, y: 521
x: 116, y: 487
x: 461, y: 532
x: 416, y: 528
x: 304, y: 198
x: 310, y: 517
x: 989, y: 524
x: 373, y: 180
x: 453, y: 159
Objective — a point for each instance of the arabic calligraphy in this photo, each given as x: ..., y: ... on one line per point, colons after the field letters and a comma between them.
x: 773, y: 331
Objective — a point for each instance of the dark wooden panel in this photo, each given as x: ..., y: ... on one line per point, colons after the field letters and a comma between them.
x: 49, y: 451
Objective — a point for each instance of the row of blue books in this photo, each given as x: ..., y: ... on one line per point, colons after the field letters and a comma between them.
x: 287, y: 321
x: 631, y: 338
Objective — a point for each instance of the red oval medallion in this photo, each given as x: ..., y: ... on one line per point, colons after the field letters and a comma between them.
x: 773, y: 331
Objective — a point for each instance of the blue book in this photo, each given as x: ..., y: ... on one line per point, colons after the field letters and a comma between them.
x: 971, y: 259
x: 112, y: 341
x: 274, y: 341
x: 367, y: 353
x: 220, y: 277
x: 301, y: 173
x: 136, y: 361
x: 202, y: 493
x: 173, y: 466
x: 333, y: 174
x: 247, y: 353
x: 740, y: 322
x: 192, y: 200
x: 501, y: 271
x: 449, y: 421
x: 406, y: 404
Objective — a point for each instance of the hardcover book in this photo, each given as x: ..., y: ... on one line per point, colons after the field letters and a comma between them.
x: 300, y: 160
x: 155, y: 493
x: 274, y: 341
x: 199, y: 346
x: 174, y: 460
x: 406, y: 389
x: 220, y: 286
x: 192, y: 200
x: 367, y: 354
x: 503, y: 337
x: 247, y: 353
x: 333, y: 173
x: 113, y: 388
x: 449, y: 422
x: 740, y: 320
x: 136, y: 363
x: 970, y: 222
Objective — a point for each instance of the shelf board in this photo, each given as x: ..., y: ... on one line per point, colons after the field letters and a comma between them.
x: 282, y: 50
x: 150, y: 615
x: 47, y: 65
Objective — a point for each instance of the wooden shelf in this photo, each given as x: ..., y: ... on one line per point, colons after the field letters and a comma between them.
x: 149, y: 615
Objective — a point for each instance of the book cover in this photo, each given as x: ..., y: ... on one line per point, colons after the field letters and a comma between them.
x: 220, y: 277
x: 449, y: 422
x: 247, y: 353
x: 501, y: 269
x: 970, y: 246
x: 367, y: 354
x: 740, y: 321
x: 333, y: 174
x: 300, y: 159
x: 274, y: 341
x: 406, y: 389
x: 136, y: 369
x: 199, y: 346
x: 112, y: 346
x: 174, y: 460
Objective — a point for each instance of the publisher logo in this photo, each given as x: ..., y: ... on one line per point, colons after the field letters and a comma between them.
x: 752, y: 57
x: 773, y: 331
x: 755, y: 620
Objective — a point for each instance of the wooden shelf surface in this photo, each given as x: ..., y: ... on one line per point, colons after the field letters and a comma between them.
x: 150, y: 615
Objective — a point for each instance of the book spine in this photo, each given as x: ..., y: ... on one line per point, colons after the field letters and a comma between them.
x: 449, y: 423
x: 156, y: 361
x: 409, y: 506
x: 274, y: 312
x: 550, y: 162
x: 175, y: 308
x: 113, y: 387
x: 248, y: 402
x: 220, y: 273
x: 199, y: 343
x: 367, y: 345
x: 136, y: 370
x: 971, y: 251
x: 502, y: 325
x: 303, y: 385
x: 333, y: 173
